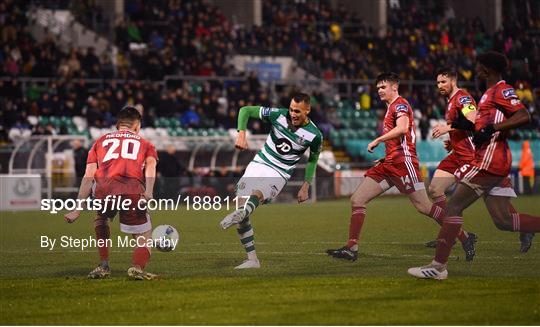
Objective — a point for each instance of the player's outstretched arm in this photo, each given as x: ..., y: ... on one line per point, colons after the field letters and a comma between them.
x: 150, y: 176
x: 244, y: 115
x: 402, y: 124
x: 84, y: 190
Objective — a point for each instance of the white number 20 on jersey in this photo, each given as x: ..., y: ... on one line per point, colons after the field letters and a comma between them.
x: 125, y: 151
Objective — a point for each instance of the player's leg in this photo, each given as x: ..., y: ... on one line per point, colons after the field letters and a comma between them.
x: 422, y: 203
x: 103, y: 232
x: 505, y: 189
x: 463, y: 197
x: 141, y: 256
x: 499, y: 209
x: 366, y: 191
x: 245, y: 230
x: 440, y: 182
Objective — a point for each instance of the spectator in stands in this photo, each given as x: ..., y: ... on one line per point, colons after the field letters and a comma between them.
x: 170, y: 170
x: 79, y: 157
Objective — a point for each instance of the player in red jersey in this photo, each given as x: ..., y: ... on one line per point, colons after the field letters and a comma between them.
x: 399, y: 168
x: 121, y: 164
x: 499, y: 110
x: 461, y: 107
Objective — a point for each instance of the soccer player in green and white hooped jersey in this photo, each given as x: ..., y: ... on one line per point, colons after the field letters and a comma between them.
x: 291, y: 135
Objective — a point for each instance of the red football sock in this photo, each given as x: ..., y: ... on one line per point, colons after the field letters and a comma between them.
x: 141, y: 255
x: 440, y: 201
x: 437, y: 212
x: 525, y: 223
x: 103, y: 232
x: 446, y: 238
x: 357, y: 220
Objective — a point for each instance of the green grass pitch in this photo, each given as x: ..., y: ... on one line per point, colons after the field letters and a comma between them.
x: 297, y: 284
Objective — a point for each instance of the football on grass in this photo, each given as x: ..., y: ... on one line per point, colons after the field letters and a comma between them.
x: 165, y: 238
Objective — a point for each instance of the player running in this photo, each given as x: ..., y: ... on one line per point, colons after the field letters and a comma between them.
x: 491, y: 165
x: 121, y: 163
x: 399, y: 167
x: 291, y: 135
x: 460, y: 113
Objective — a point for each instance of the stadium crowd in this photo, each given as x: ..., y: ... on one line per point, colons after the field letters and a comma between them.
x: 195, y: 38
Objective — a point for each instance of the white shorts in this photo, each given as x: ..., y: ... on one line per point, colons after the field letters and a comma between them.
x: 503, y: 191
x: 263, y: 178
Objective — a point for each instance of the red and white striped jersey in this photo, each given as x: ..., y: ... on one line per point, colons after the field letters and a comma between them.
x: 498, y: 102
x: 403, y: 148
x: 460, y: 140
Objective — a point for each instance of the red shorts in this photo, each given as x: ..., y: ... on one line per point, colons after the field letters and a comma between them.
x: 133, y: 220
x: 484, y: 182
x: 405, y: 176
x: 453, y: 162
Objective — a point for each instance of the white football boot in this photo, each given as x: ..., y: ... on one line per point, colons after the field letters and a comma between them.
x: 248, y: 264
x: 431, y: 271
x: 233, y: 218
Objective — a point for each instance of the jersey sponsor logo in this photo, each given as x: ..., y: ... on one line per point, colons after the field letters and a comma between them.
x: 509, y: 93
x: 283, y: 146
x: 465, y: 100
x: 515, y: 102
x: 402, y: 108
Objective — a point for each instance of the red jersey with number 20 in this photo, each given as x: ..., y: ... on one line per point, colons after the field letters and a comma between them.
x: 400, y: 149
x: 498, y: 102
x: 460, y: 140
x: 120, y: 158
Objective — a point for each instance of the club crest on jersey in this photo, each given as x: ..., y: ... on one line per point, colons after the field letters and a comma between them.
x: 509, y: 93
x: 464, y: 100
x: 283, y: 146
x: 401, y: 108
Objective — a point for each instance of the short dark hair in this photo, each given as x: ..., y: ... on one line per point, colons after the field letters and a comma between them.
x: 128, y: 115
x: 493, y: 60
x: 302, y: 97
x: 387, y: 77
x: 448, y: 71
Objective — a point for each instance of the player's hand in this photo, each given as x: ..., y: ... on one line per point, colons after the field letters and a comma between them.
x: 148, y: 195
x: 439, y: 130
x: 371, y: 146
x: 448, y: 146
x: 484, y: 135
x: 241, y: 141
x: 72, y: 216
x: 378, y: 161
x: 303, y: 194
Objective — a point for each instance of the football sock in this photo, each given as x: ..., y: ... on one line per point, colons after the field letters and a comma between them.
x: 251, y: 204
x: 525, y: 223
x: 446, y: 238
x: 437, y: 212
x: 357, y: 220
x: 440, y: 201
x: 103, y: 232
x: 245, y: 232
x: 141, y: 255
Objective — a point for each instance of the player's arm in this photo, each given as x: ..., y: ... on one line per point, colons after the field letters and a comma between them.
x: 244, y: 115
x: 150, y: 176
x: 303, y: 193
x: 517, y: 116
x: 465, y: 121
x: 402, y: 124
x: 84, y: 190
